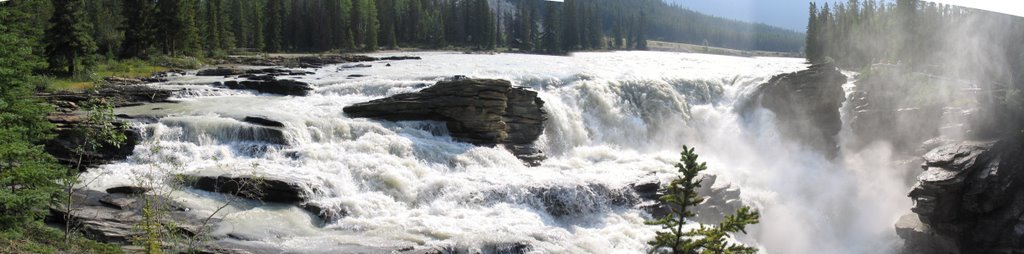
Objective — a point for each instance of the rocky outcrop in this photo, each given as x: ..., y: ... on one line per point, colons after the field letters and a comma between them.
x: 477, y: 111
x: 114, y: 218
x: 116, y: 95
x: 968, y: 200
x: 889, y: 103
x: 262, y: 121
x: 806, y: 104
x: 311, y: 61
x: 70, y: 137
x: 272, y: 86
x: 258, y: 188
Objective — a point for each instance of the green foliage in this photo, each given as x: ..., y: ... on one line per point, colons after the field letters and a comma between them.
x: 39, y: 238
x: 139, y: 28
x: 680, y: 196
x: 26, y: 172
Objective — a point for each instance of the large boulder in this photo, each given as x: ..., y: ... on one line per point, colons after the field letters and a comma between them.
x: 65, y: 146
x: 258, y: 188
x: 115, y: 217
x: 477, y: 111
x: 969, y: 195
x: 806, y: 104
x: 272, y: 86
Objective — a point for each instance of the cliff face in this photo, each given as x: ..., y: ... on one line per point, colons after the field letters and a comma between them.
x: 968, y: 200
x: 806, y: 105
x: 477, y: 111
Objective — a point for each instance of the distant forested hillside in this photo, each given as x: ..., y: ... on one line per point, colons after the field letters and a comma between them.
x: 142, y: 28
x: 678, y: 24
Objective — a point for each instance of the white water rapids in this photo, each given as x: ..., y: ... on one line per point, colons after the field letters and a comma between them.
x: 614, y: 118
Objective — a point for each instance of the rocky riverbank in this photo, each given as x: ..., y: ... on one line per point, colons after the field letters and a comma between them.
x: 479, y: 111
x: 806, y: 105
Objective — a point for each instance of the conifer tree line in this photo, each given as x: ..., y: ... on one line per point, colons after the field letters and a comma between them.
x: 143, y: 28
x: 924, y: 34
x: 983, y: 48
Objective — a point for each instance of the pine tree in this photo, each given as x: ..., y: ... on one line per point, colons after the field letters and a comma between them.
x: 641, y: 32
x: 617, y: 33
x: 169, y: 25
x: 680, y: 196
x: 371, y: 26
x: 26, y: 172
x: 551, y: 40
x: 811, y: 49
x: 68, y: 40
x: 138, y: 28
x: 273, y: 29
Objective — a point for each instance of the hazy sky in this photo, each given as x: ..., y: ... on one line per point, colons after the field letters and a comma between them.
x: 792, y: 14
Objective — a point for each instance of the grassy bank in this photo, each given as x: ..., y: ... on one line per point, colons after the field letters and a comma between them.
x: 44, y: 239
x: 127, y: 68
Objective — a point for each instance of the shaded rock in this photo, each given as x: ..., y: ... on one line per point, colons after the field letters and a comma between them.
x: 477, y: 111
x: 920, y: 238
x: 273, y: 86
x: 263, y: 189
x: 130, y: 190
x: 317, y: 61
x: 806, y: 104
x: 113, y: 218
x: 326, y: 214
x: 356, y: 66
x: 117, y: 96
x: 276, y: 72
x: 887, y: 104
x: 397, y: 58
x: 262, y: 121
x: 118, y: 200
x: 969, y: 195
x: 68, y: 139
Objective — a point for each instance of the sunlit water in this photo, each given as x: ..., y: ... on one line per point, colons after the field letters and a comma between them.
x: 614, y: 118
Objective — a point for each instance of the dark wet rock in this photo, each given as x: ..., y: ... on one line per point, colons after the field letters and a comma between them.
x: 263, y: 189
x: 262, y: 121
x: 968, y: 197
x: 310, y: 61
x: 130, y: 190
x: 397, y: 58
x: 528, y: 153
x: 114, y: 218
x: 117, y: 96
x: 328, y: 215
x: 276, y: 72
x: 356, y: 66
x: 806, y: 104
x: 272, y: 86
x: 69, y: 138
x: 478, y: 111
x: 220, y: 72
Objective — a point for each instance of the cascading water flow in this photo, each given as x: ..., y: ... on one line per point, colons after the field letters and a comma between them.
x: 614, y: 118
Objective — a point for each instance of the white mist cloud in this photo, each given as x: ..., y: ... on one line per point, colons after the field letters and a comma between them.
x: 1001, y: 6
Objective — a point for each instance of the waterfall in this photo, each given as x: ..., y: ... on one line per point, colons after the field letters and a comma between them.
x: 615, y: 118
